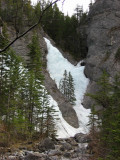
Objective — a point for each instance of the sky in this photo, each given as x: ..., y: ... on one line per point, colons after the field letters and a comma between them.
x: 70, y: 5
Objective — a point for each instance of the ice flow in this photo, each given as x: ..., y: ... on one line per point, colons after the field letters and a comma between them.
x: 56, y: 65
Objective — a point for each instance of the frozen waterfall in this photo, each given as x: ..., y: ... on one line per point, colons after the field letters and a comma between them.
x: 56, y: 64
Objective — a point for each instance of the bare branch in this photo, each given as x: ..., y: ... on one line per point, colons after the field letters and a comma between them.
x: 63, y: 2
x: 33, y: 26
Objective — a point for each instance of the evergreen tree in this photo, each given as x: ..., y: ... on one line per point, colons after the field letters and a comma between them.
x: 79, y: 12
x: 4, y: 71
x: 63, y: 86
x: 66, y: 87
x: 24, y: 101
x: 94, y: 134
x: 62, y: 29
x: 41, y: 109
x: 65, y: 83
x: 49, y: 116
x: 35, y: 63
x: 109, y: 134
x: 90, y: 5
x: 71, y: 89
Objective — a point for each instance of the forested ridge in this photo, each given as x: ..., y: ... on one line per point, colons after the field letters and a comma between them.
x: 62, y: 29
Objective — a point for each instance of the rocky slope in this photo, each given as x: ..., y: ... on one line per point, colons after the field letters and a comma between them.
x: 20, y: 46
x: 58, y: 149
x: 103, y: 33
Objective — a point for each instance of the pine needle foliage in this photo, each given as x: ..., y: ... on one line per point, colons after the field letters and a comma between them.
x: 66, y: 87
x: 25, y: 109
x: 108, y: 97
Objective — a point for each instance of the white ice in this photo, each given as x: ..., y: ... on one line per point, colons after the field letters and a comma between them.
x: 56, y: 64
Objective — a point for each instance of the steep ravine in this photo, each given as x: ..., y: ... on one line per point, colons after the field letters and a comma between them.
x: 103, y: 32
x: 21, y: 49
x: 74, y: 147
x: 56, y: 65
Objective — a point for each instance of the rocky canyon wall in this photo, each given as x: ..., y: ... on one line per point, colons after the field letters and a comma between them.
x: 103, y: 32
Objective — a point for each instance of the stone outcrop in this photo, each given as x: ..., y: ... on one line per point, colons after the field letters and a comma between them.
x: 103, y: 34
x: 21, y: 45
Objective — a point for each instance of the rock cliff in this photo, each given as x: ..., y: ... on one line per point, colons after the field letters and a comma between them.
x: 103, y: 34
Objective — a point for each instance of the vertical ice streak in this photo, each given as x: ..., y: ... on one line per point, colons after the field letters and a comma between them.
x: 56, y: 64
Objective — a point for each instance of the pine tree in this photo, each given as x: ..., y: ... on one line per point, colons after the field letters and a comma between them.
x: 109, y: 134
x: 79, y: 12
x: 3, y: 71
x: 63, y: 86
x: 66, y: 87
x: 35, y: 57
x: 24, y: 108
x: 94, y: 134
x: 71, y: 89
x: 49, y: 116
x: 41, y: 111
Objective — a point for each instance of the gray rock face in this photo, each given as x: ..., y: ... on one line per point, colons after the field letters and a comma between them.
x: 21, y: 45
x: 103, y: 42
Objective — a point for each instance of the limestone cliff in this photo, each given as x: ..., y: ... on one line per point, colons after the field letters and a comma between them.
x: 103, y: 34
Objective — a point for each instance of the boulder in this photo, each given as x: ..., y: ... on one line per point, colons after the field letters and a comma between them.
x: 35, y: 156
x: 72, y: 142
x: 54, y: 153
x: 81, y: 138
x: 47, y: 144
x: 11, y: 157
x: 66, y: 147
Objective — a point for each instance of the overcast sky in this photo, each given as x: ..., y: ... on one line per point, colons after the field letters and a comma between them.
x: 70, y: 5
